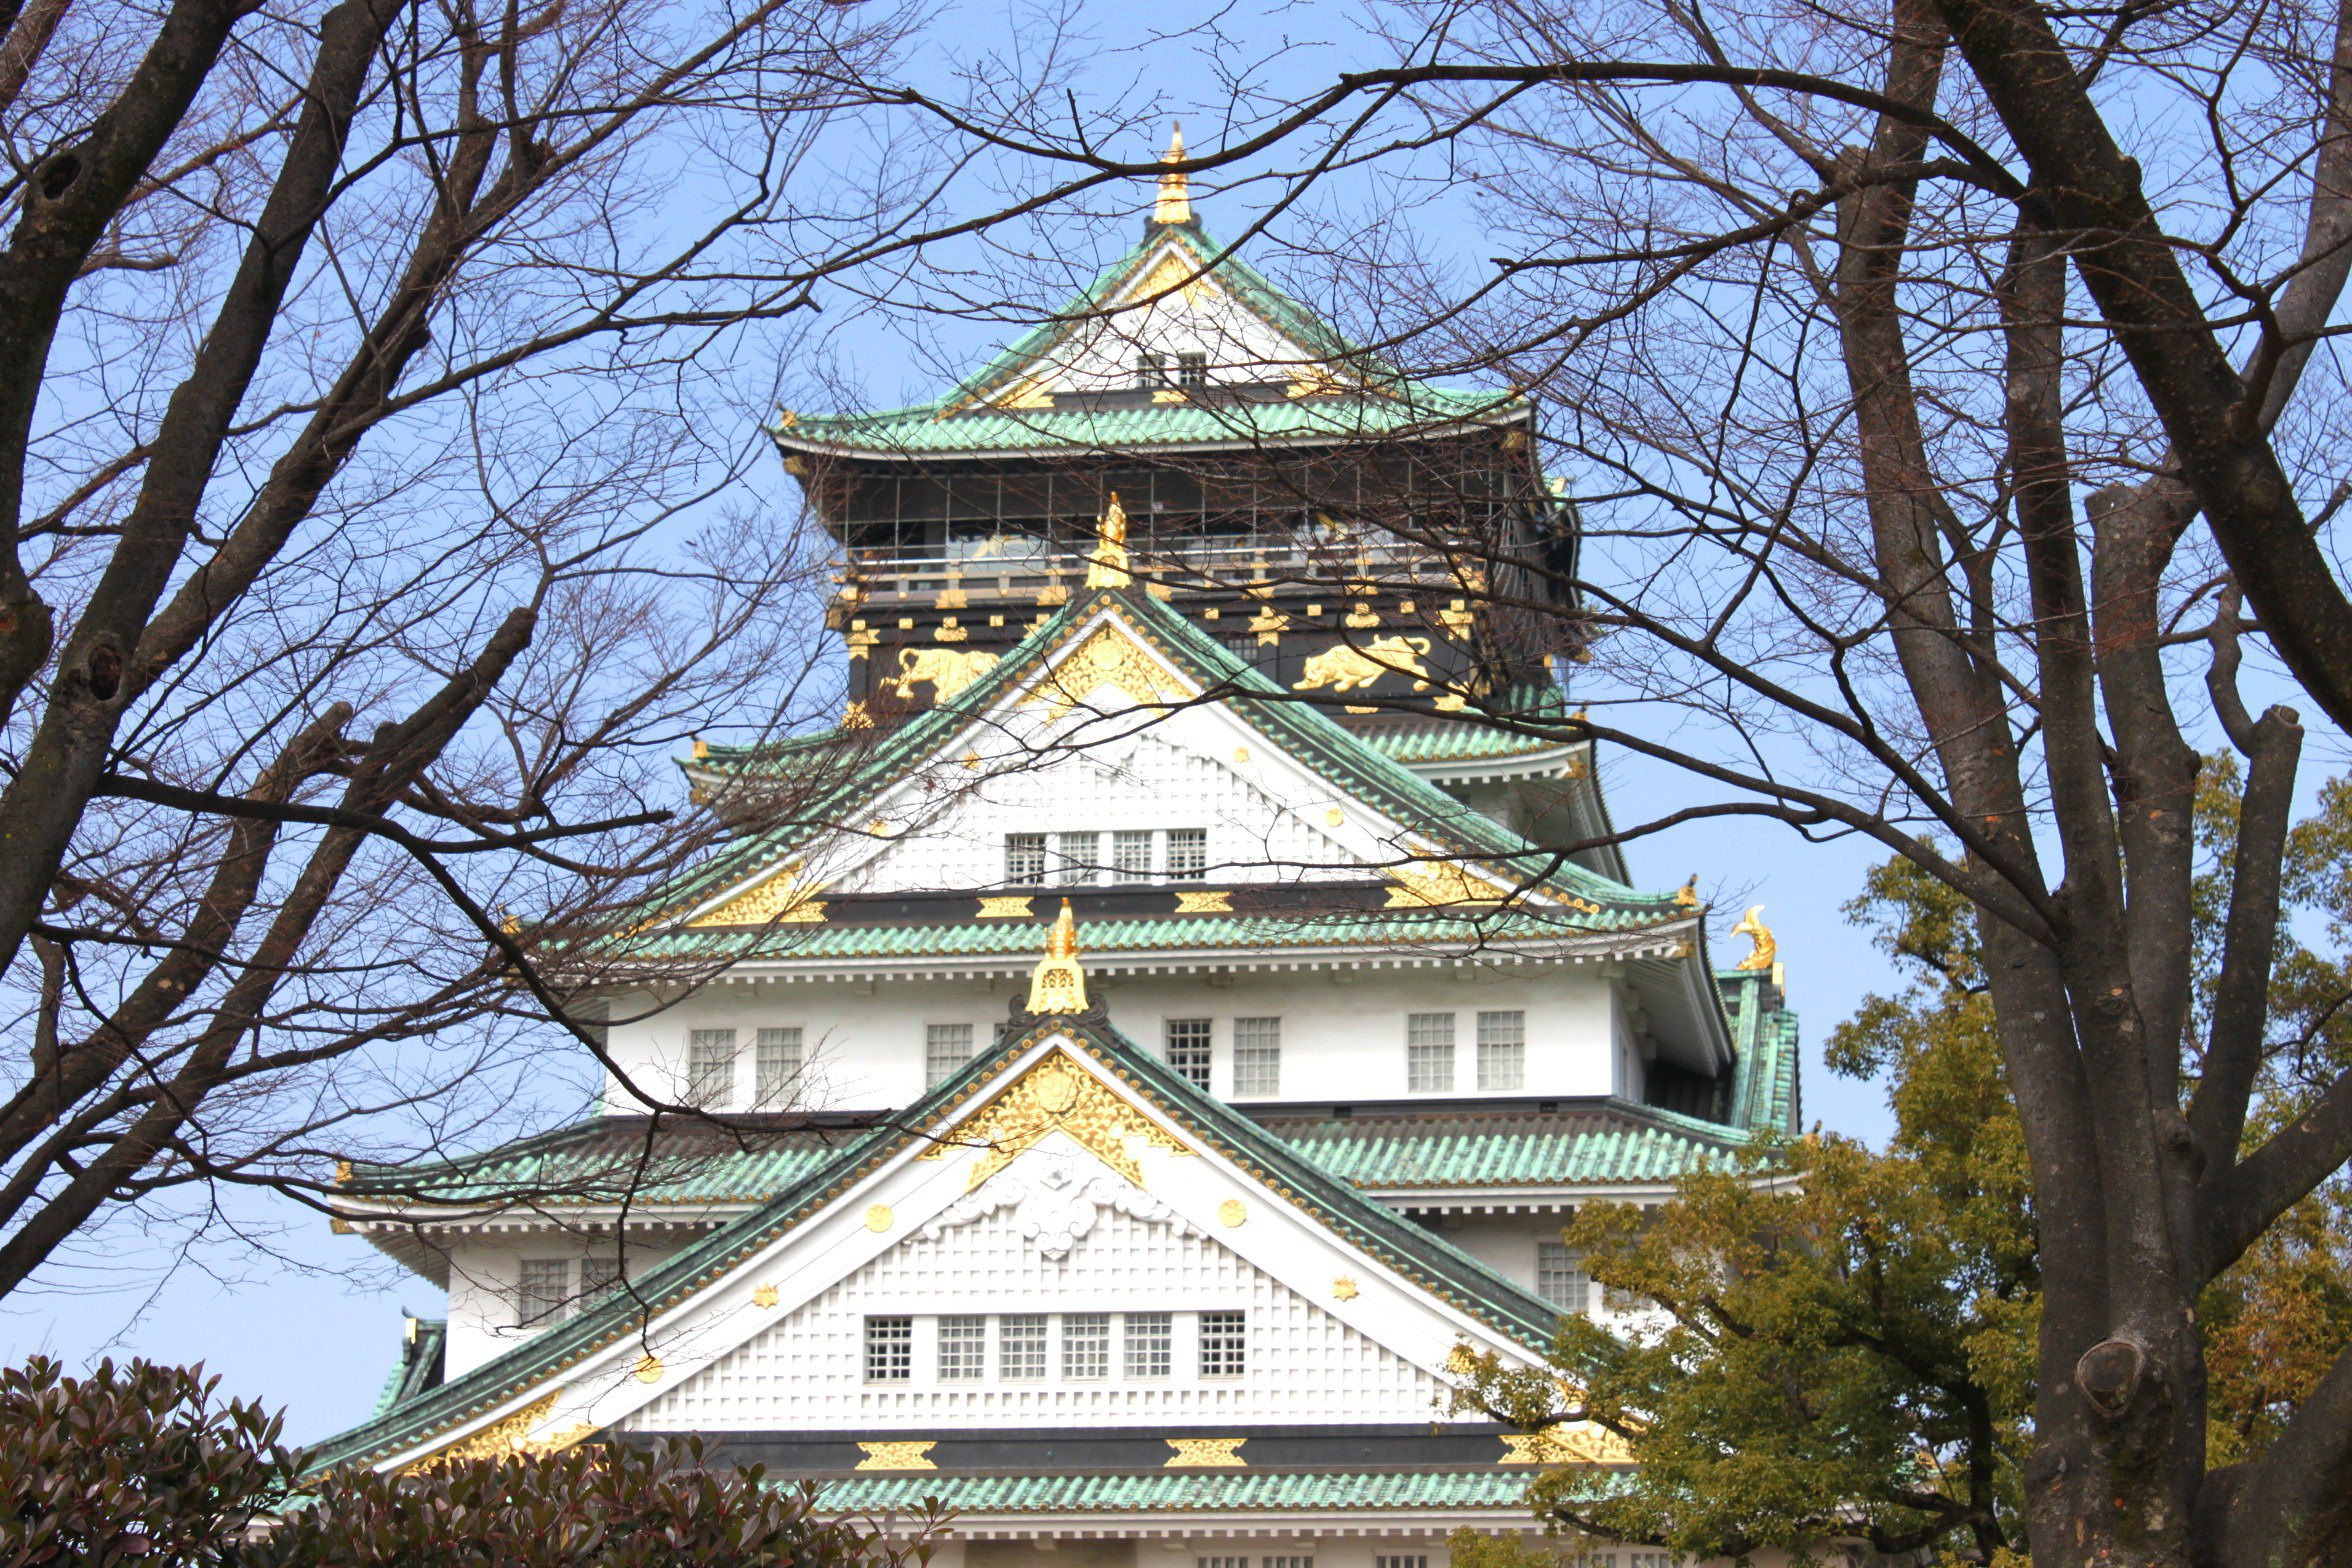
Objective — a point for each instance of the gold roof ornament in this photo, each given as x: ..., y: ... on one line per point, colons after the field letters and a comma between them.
x: 1175, y: 203
x: 1687, y: 895
x: 1752, y: 926
x: 1058, y: 984
x: 1107, y: 566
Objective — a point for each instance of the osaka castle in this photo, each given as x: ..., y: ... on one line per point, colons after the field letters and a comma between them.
x: 1109, y: 1081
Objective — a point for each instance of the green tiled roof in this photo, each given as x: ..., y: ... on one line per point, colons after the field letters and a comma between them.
x: 1194, y: 1491
x: 1379, y: 403
x: 964, y: 938
x: 416, y: 1372
x: 1443, y: 1271
x: 1616, y: 1142
x: 608, y: 1159
x: 926, y: 431
x: 1311, y: 736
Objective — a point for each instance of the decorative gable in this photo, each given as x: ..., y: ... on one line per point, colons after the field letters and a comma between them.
x: 807, y: 1372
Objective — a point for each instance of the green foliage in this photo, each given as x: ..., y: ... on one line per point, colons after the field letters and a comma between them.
x: 1845, y: 1341
x: 137, y: 1464
x: 142, y: 1465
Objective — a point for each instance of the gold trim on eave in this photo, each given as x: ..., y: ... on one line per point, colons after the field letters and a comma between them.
x: 898, y: 1455
x: 1205, y: 1453
x: 1055, y: 1095
x: 782, y: 899
x: 1113, y: 655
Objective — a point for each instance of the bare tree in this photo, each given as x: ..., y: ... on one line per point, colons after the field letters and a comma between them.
x: 371, y: 438
x: 1943, y: 385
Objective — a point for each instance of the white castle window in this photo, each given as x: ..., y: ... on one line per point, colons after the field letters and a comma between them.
x: 1151, y: 370
x: 1220, y: 1562
x: 1131, y: 855
x: 1077, y: 858
x: 1502, y: 1050
x: 890, y: 1349
x: 1224, y: 1344
x: 1560, y: 1278
x: 1192, y: 369
x: 1086, y: 1345
x: 1151, y: 1344
x: 1188, y: 853
x: 946, y: 1047
x: 1190, y: 1050
x: 1294, y: 1561
x: 600, y: 1276
x: 775, y: 1064
x: 1429, y: 1052
x: 1257, y: 1056
x: 1020, y: 1346
x: 1024, y: 859
x: 710, y: 1067
x: 1406, y: 1560
x: 963, y: 1349
x: 543, y: 1291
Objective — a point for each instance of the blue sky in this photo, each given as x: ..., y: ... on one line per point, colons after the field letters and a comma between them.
x: 310, y: 1321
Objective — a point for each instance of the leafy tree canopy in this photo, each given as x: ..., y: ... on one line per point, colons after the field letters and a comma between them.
x: 1843, y: 1339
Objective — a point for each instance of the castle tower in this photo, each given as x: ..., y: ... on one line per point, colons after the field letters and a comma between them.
x: 1162, y: 1257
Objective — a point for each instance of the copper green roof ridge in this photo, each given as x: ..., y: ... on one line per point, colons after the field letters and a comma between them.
x: 1182, y: 1491
x: 1459, y: 1279
x: 949, y: 422
x: 412, y: 1375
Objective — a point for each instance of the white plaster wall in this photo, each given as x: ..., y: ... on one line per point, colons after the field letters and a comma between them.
x: 484, y: 1276
x: 1343, y: 1032
x: 1200, y: 318
x: 807, y: 1372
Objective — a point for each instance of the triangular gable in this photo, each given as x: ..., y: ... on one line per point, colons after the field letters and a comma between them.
x: 1186, y: 280
x: 1116, y: 652
x: 1059, y: 1084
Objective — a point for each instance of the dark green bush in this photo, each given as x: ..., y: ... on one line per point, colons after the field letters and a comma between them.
x: 142, y: 1464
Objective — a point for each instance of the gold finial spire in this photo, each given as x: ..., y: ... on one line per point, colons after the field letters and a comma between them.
x: 1175, y: 203
x: 1752, y: 927
x: 1107, y: 566
x: 1057, y: 984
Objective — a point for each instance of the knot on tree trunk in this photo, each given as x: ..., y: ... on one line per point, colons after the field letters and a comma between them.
x: 2109, y: 1374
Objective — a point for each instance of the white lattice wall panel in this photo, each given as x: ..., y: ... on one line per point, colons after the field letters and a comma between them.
x: 807, y: 1372
x: 1140, y: 781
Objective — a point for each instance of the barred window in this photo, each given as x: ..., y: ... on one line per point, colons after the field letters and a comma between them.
x: 1086, y: 1345
x: 1400, y: 1560
x: 946, y: 1047
x: 1024, y: 859
x: 1257, y: 1056
x: 599, y: 1277
x: 1151, y: 370
x: 1151, y: 1343
x: 1077, y: 858
x: 710, y: 1067
x: 545, y: 1291
x: 1560, y: 1278
x: 890, y: 1350
x: 1502, y: 1050
x: 1020, y: 1346
x: 1292, y: 1561
x: 775, y: 1060
x: 1188, y: 854
x: 1243, y: 646
x: 1220, y: 1562
x: 1192, y: 369
x: 1224, y: 1344
x: 1429, y: 1052
x: 963, y: 1349
x: 1131, y: 855
x: 1189, y: 1049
